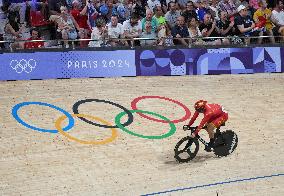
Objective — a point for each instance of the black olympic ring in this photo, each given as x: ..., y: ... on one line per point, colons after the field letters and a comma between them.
x: 78, y: 103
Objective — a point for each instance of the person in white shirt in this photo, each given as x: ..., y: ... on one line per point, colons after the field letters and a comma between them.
x: 115, y: 31
x: 99, y: 33
x: 132, y: 28
x: 172, y: 15
x: 277, y: 17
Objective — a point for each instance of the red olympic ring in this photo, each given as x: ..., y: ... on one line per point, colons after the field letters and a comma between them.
x: 185, y: 117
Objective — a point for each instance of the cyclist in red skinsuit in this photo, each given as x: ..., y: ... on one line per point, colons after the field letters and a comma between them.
x: 214, y: 117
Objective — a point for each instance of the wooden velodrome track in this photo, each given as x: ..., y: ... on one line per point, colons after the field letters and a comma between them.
x: 37, y: 163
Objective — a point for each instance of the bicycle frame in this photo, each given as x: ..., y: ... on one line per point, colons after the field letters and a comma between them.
x: 200, y: 138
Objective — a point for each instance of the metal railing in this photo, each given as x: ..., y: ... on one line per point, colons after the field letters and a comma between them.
x: 196, y: 42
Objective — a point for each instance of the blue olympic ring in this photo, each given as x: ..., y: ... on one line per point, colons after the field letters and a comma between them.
x: 16, y: 116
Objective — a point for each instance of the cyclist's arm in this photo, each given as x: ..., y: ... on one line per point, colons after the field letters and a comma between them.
x: 202, y: 123
x: 193, y: 118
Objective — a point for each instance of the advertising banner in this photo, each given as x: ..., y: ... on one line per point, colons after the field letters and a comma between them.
x: 209, y: 61
x: 69, y: 64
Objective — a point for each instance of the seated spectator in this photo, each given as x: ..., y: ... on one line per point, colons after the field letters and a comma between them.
x: 110, y: 10
x: 194, y: 32
x: 149, y: 18
x: 3, y: 22
x: 209, y: 29
x: 90, y: 10
x: 203, y: 9
x: 180, y: 32
x: 19, y: 6
x: 245, y: 26
x: 150, y: 34
x: 35, y: 35
x: 189, y: 12
x: 151, y: 4
x: 99, y: 34
x: 82, y: 21
x: 38, y: 14
x: 241, y: 2
x: 196, y: 3
x: 132, y: 28
x: 123, y: 11
x: 164, y: 5
x: 69, y: 3
x: 55, y: 5
x: 225, y: 25
x: 115, y: 31
x: 214, y: 7
x: 229, y: 6
x: 12, y: 31
x: 244, y: 3
x: 182, y: 4
x: 278, y: 18
x: 66, y: 26
x: 159, y: 15
x: 139, y: 9
x: 172, y: 15
x: 262, y: 19
x: 253, y: 6
x: 165, y: 37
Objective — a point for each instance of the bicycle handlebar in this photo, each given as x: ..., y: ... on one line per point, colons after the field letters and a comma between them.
x: 186, y: 127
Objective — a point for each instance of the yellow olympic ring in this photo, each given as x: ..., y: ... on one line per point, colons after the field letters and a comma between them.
x: 60, y: 130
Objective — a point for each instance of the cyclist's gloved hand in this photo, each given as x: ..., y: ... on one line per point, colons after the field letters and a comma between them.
x: 186, y: 127
x: 193, y: 135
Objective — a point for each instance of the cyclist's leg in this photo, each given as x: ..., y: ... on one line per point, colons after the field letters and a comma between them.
x: 210, y: 130
x: 216, y: 123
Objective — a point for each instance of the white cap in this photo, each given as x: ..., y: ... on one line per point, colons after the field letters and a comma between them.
x: 75, y: 1
x: 241, y: 7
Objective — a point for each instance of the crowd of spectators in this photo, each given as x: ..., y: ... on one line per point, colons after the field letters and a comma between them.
x: 118, y: 22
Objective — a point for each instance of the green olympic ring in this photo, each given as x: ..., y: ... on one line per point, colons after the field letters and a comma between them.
x: 171, y: 132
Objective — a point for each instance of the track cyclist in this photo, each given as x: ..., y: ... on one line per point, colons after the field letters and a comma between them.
x: 214, y: 117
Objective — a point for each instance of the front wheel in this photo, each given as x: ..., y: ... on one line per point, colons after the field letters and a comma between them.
x: 225, y: 143
x: 186, y: 149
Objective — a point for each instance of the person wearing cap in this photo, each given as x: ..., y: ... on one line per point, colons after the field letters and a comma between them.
x: 245, y: 25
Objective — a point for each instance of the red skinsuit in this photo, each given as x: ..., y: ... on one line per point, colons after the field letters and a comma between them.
x: 213, y: 114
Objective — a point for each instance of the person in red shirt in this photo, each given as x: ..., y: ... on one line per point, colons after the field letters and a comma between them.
x: 82, y: 19
x: 34, y: 36
x: 214, y: 117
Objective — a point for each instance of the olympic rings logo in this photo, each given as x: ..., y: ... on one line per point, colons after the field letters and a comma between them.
x: 23, y: 65
x: 90, y: 119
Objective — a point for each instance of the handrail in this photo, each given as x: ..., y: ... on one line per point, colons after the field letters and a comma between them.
x: 139, y: 39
